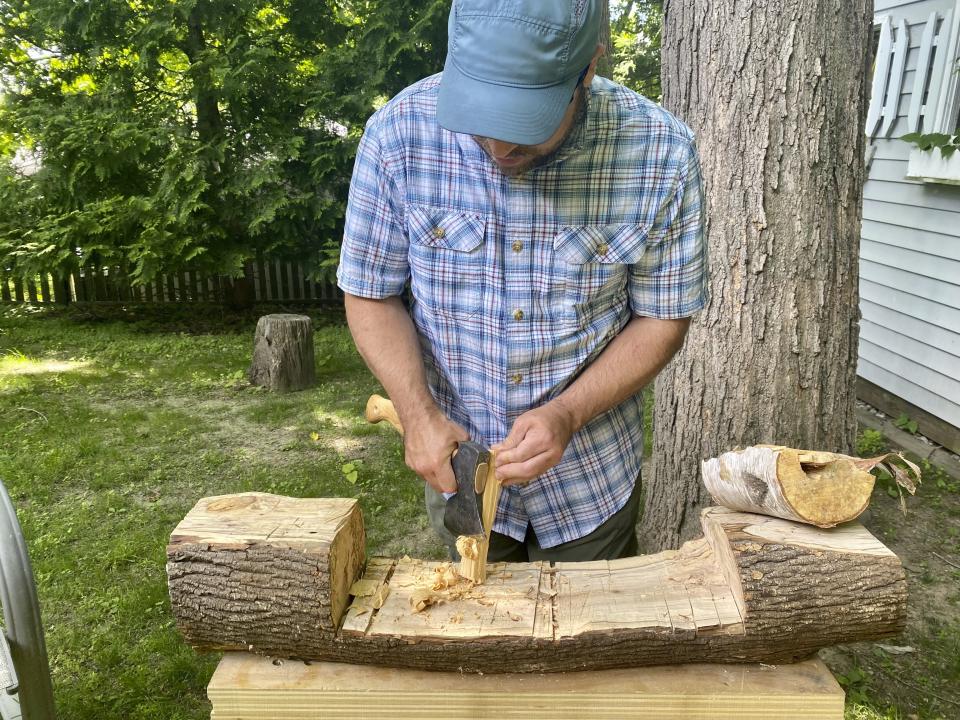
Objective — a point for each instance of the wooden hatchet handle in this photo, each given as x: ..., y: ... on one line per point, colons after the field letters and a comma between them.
x: 379, y: 408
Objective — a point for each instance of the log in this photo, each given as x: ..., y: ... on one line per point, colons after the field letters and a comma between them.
x: 808, y: 486
x: 264, y: 570
x: 249, y: 687
x: 283, y: 358
x: 753, y: 589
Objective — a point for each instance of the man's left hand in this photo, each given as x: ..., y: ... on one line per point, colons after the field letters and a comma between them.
x: 535, y: 444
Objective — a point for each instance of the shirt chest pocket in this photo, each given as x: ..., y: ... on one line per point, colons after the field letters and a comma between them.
x: 446, y: 259
x: 594, y: 266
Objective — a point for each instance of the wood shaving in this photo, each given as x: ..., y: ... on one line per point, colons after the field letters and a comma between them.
x: 513, y: 616
x: 468, y: 546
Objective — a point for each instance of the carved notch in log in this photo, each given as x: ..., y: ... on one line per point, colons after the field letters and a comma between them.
x: 283, y: 358
x: 754, y: 589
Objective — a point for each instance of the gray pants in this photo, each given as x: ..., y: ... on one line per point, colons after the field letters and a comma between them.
x: 616, y: 537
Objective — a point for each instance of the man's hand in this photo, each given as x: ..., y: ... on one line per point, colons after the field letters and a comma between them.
x: 535, y: 444
x: 429, y: 442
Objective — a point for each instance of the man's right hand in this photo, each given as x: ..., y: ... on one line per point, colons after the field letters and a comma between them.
x: 429, y: 442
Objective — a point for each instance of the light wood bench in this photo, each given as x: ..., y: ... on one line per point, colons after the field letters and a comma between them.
x: 251, y: 687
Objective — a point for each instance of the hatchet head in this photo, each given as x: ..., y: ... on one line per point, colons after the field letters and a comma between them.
x: 463, y: 511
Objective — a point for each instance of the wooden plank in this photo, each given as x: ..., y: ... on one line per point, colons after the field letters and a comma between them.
x: 894, y: 405
x: 18, y: 289
x: 943, y: 246
x: 248, y: 687
x: 919, y: 263
x: 945, y: 385
x: 932, y: 402
x: 293, y: 282
x: 942, y: 65
x: 892, y: 104
x: 920, y: 76
x: 5, y: 288
x: 934, y: 196
x: 915, y: 284
x: 100, y: 285
x: 46, y: 294
x: 915, y: 328
x: 30, y: 283
x: 881, y: 74
x: 183, y: 287
x: 916, y: 307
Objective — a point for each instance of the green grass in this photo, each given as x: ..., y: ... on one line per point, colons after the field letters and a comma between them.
x: 112, y: 431
x: 113, y: 425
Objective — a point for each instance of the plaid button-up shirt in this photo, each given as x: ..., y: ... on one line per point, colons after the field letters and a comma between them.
x: 518, y: 283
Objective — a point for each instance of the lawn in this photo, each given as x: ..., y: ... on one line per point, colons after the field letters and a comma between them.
x: 113, y: 424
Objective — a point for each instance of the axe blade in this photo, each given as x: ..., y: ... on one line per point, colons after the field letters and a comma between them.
x: 463, y: 511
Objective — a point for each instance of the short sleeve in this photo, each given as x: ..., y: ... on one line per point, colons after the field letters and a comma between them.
x: 671, y: 280
x: 373, y: 256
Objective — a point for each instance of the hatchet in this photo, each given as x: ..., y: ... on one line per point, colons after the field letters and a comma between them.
x: 470, y: 462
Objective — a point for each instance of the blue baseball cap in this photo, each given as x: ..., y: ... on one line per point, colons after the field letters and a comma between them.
x: 512, y: 66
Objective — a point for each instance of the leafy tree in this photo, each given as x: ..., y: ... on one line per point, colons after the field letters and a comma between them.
x: 635, y: 34
x: 192, y: 132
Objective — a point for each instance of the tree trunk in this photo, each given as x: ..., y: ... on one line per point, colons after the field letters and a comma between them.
x: 271, y: 575
x: 283, y: 358
x: 776, y: 95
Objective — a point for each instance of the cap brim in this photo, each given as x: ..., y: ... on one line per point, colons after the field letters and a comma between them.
x: 526, y: 116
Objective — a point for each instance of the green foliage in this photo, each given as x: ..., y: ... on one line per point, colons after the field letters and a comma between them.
x: 192, y: 132
x: 635, y: 34
x: 871, y: 443
x: 905, y: 423
x: 948, y: 144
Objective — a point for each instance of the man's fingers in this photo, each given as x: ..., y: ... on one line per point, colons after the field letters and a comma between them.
x: 444, y: 480
x: 520, y: 473
x: 528, y: 448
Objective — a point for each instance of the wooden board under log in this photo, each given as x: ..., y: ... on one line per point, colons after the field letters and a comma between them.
x: 250, y: 687
x: 753, y: 589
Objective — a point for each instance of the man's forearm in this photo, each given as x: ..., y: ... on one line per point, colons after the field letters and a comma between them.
x: 631, y: 360
x: 387, y: 341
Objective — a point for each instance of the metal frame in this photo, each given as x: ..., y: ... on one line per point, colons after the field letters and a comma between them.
x: 21, y: 614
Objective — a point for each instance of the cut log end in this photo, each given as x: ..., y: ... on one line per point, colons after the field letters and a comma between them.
x: 283, y: 357
x: 818, y: 488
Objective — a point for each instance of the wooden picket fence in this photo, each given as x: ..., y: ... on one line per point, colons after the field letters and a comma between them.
x: 273, y: 281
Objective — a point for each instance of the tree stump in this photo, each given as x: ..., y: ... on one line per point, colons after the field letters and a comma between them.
x: 283, y: 353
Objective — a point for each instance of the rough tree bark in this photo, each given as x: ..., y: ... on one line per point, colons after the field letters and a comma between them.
x: 775, y: 93
x: 283, y: 359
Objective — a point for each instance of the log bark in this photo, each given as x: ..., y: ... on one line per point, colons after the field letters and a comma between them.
x: 753, y: 589
x: 283, y: 358
x: 819, y: 488
x: 264, y: 570
x: 775, y: 93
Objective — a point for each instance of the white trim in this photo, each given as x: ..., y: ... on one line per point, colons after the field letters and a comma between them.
x: 944, y: 93
x: 880, y: 74
x: 923, y: 71
x: 930, y: 166
x: 895, y: 84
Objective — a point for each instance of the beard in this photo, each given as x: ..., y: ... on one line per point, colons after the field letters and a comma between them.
x: 533, y: 158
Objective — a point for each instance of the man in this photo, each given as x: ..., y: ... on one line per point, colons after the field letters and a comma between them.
x: 549, y: 224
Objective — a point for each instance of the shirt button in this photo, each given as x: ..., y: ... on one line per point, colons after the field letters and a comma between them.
x: 518, y: 315
x: 439, y: 233
x: 602, y: 248
x: 517, y: 379
x: 517, y: 246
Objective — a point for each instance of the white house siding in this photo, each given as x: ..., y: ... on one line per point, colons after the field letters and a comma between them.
x: 910, y: 258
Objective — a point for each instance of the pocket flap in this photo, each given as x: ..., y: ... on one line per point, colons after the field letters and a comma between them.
x: 623, y: 244
x: 442, y: 228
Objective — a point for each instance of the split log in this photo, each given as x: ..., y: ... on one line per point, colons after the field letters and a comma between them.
x: 753, y: 589
x: 264, y: 570
x: 474, y: 549
x: 283, y: 358
x: 809, y: 486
